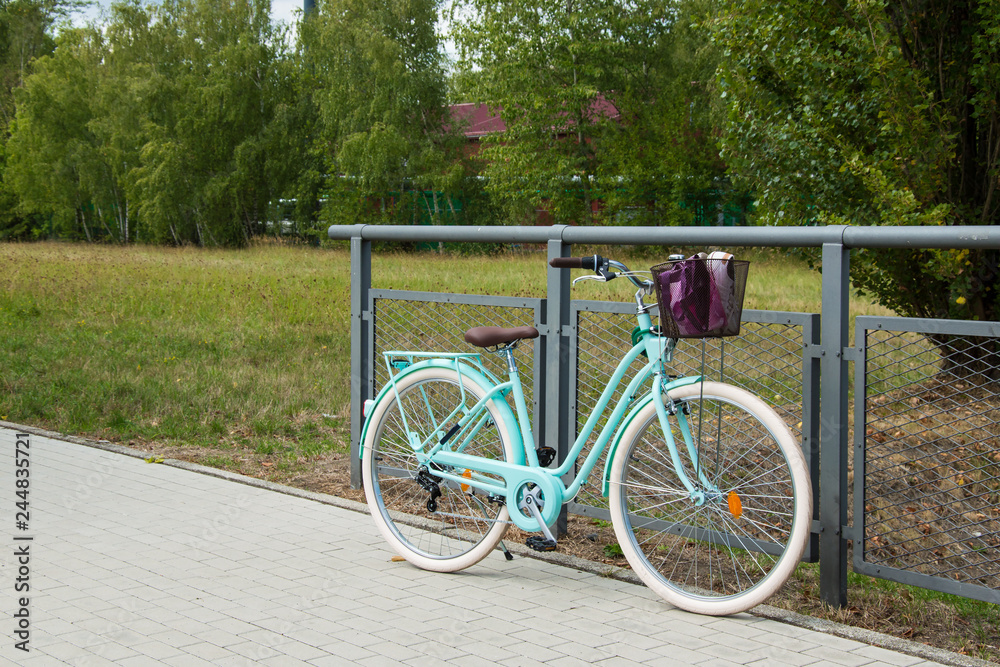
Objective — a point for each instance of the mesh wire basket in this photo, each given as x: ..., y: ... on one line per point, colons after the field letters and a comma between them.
x: 700, y: 297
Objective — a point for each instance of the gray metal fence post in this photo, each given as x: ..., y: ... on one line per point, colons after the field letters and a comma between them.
x: 557, y: 390
x: 361, y: 363
x: 833, y: 425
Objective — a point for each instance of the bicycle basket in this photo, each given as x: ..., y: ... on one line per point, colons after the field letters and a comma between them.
x: 701, y: 297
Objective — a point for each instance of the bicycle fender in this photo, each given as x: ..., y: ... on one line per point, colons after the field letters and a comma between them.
x: 633, y: 413
x: 468, y: 373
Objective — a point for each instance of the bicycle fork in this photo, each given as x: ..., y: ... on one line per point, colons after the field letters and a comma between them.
x: 665, y: 411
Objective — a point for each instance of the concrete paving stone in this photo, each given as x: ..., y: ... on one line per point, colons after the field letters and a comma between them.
x: 380, y: 615
x: 568, y: 661
x: 60, y: 650
x: 838, y: 656
x: 395, y: 652
x: 202, y: 614
x: 33, y: 659
x: 341, y: 652
x: 471, y: 661
x: 284, y: 661
x: 176, y: 638
x: 252, y: 650
x: 724, y: 650
x: 439, y: 606
x: 188, y: 660
x: 521, y: 661
x: 583, y: 653
x: 716, y: 662
x: 308, y: 636
x: 359, y: 624
x: 438, y: 650
x: 427, y: 661
x: 300, y: 651
x: 157, y: 650
x: 327, y: 613
x: 533, y: 651
x: 788, y: 656
x: 140, y: 661
x: 283, y: 616
x: 206, y: 651
x: 364, y: 639
x: 93, y: 661
x: 580, y: 636
x: 229, y: 625
x: 83, y: 639
x: 221, y: 638
x: 490, y: 634
x: 632, y: 654
x: 679, y: 653
x: 768, y: 662
x: 144, y: 626
x: 799, y: 644
x: 886, y: 656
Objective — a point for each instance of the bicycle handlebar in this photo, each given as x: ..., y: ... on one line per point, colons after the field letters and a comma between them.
x: 602, y: 267
x: 591, y: 263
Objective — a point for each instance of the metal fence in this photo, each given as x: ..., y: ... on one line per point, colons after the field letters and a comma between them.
x: 923, y: 477
x: 927, y: 447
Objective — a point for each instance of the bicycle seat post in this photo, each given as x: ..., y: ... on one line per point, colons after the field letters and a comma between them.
x: 508, y: 353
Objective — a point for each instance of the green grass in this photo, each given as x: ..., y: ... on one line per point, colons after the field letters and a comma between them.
x: 162, y: 344
x: 959, y: 624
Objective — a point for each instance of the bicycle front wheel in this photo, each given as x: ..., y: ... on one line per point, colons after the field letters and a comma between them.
x: 459, y: 527
x: 732, y: 541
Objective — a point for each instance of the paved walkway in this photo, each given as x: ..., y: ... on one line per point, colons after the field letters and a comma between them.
x: 133, y: 563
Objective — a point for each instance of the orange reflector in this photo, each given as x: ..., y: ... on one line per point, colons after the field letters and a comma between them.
x: 735, y: 505
x: 467, y: 475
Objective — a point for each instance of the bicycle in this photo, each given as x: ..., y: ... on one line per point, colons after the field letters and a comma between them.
x: 709, y: 494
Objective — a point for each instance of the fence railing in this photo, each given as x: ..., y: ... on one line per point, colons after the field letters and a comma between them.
x: 924, y: 470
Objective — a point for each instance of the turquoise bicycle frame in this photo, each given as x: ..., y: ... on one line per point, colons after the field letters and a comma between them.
x: 516, y: 475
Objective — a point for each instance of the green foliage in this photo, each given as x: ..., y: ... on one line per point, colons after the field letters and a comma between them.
x: 602, y: 101
x: 873, y: 112
x: 167, y: 124
x: 25, y: 27
x: 382, y: 122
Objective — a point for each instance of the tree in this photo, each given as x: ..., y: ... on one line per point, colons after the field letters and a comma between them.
x: 873, y: 112
x: 601, y: 100
x: 25, y: 34
x: 55, y: 166
x: 166, y: 124
x: 380, y: 98
x: 211, y: 78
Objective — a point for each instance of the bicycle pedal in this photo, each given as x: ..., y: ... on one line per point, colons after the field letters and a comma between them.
x: 539, y: 543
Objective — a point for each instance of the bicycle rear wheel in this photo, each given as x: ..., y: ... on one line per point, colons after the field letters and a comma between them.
x: 733, y: 542
x: 463, y: 526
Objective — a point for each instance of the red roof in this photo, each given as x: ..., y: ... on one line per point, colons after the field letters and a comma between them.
x: 477, y: 119
x: 480, y: 119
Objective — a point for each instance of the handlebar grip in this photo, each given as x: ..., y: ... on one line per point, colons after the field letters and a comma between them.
x: 590, y: 263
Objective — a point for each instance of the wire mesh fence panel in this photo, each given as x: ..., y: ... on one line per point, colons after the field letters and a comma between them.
x: 931, y: 448
x: 765, y: 359
x: 438, y: 322
x: 602, y: 341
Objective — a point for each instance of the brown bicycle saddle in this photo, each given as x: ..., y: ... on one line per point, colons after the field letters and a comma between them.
x: 488, y: 336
